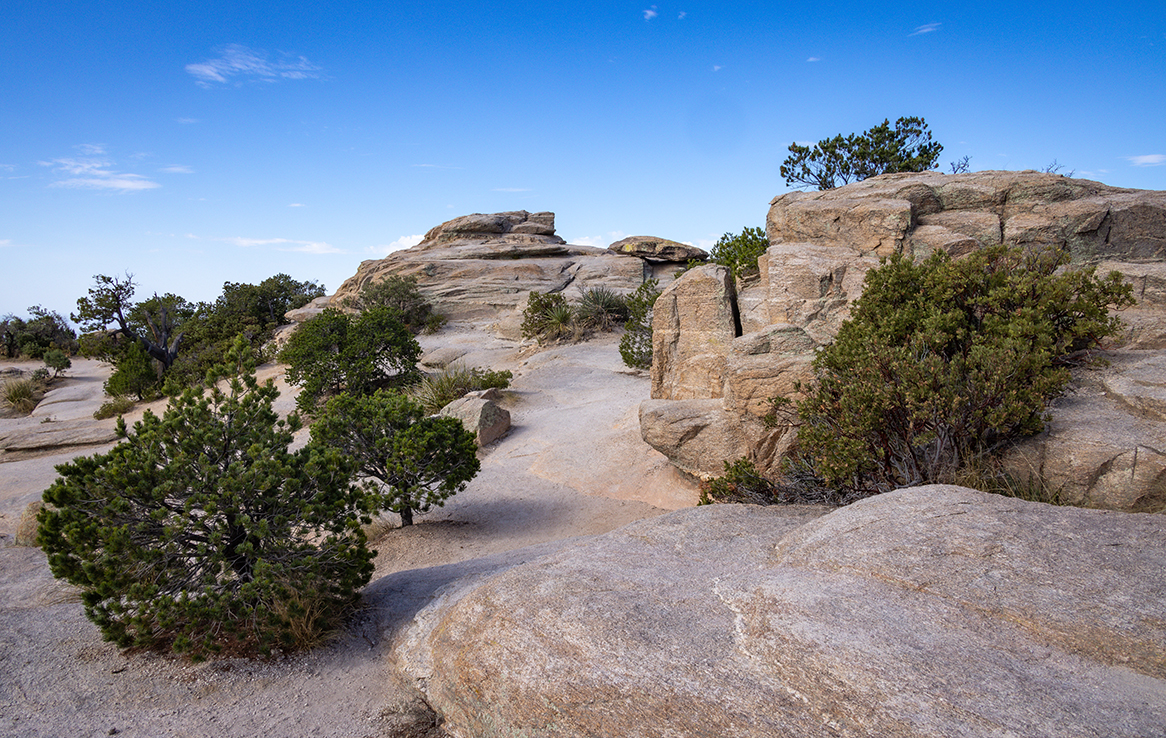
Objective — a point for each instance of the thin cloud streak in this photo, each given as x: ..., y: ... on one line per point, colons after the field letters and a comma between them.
x: 650, y: 13
x: 178, y: 169
x: 286, y: 244
x: 237, y: 61
x: 1147, y: 160
x: 92, y: 173
x: 925, y: 28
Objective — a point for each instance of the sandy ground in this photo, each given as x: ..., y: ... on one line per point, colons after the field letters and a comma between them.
x: 572, y: 465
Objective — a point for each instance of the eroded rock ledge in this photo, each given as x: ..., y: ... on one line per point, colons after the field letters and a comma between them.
x: 742, y: 343
x: 929, y: 611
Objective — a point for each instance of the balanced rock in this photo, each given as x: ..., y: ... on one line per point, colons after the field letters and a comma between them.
x: 658, y: 249
x: 822, y: 244
x: 931, y: 611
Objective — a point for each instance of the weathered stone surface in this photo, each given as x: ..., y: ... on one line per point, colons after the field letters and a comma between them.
x: 28, y: 525
x: 766, y: 364
x: 925, y: 612
x: 486, y: 265
x: 822, y: 244
x: 1105, y: 444
x: 480, y: 416
x: 309, y: 311
x: 811, y: 285
x: 52, y: 435
x: 657, y: 249
x: 693, y: 323
x: 695, y: 435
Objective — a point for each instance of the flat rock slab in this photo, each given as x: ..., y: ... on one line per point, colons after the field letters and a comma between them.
x: 57, y: 434
x: 935, y: 611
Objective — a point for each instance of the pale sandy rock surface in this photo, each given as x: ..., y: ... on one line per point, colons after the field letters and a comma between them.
x: 572, y: 465
x: 934, y: 611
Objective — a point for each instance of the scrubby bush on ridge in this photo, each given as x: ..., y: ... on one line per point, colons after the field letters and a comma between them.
x: 435, y: 391
x: 944, y: 362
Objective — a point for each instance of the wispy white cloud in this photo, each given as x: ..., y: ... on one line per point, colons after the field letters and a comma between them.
x: 599, y: 241
x: 296, y: 205
x: 244, y: 64
x: 814, y: 59
x: 6, y: 243
x: 925, y: 28
x: 511, y: 189
x: 178, y: 169
x: 434, y: 166
x: 286, y: 244
x: 186, y: 121
x: 95, y: 173
x: 404, y: 242
x: 717, y: 68
x: 650, y: 13
x: 681, y: 16
x: 1147, y: 160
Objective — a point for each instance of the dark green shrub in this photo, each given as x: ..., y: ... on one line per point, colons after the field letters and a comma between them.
x: 335, y: 352
x: 739, y: 252
x: 44, y: 330
x: 400, y: 294
x: 436, y: 391
x: 201, y: 533
x: 600, y: 309
x: 943, y: 362
x: 635, y: 346
x: 837, y: 161
x: 412, y: 462
x: 547, y: 317
x: 58, y: 361
x: 135, y: 375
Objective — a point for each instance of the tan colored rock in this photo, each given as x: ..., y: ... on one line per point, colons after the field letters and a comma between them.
x: 309, y: 311
x: 696, y: 435
x: 27, y: 527
x: 481, y: 266
x: 811, y: 285
x: 657, y: 249
x: 767, y: 363
x: 693, y: 323
x: 867, y: 225
x: 480, y: 416
x: 58, y: 434
x: 932, y: 611
x: 1103, y: 446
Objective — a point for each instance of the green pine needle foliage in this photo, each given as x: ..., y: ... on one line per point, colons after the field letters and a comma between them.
x: 411, y: 461
x: 635, y: 346
x: 943, y: 362
x: 203, y: 534
x: 335, y: 352
x: 739, y: 252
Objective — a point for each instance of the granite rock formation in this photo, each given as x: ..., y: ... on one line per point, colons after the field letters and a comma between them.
x: 924, y: 612
x: 821, y: 246
x: 484, y: 266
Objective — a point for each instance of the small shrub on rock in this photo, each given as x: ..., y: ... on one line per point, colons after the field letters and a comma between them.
x: 21, y: 395
x: 635, y: 346
x: 739, y: 252
x: 943, y: 362
x: 119, y: 405
x: 202, y: 533
x: 58, y: 361
x: 401, y: 294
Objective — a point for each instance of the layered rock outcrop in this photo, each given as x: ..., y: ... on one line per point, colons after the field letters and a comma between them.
x: 932, y: 611
x: 481, y: 266
x: 821, y: 246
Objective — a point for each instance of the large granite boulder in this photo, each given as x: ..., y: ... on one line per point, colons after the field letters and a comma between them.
x: 485, y: 265
x: 933, y: 611
x: 822, y: 244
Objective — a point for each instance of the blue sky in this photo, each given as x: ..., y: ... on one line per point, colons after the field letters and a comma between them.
x: 193, y: 143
